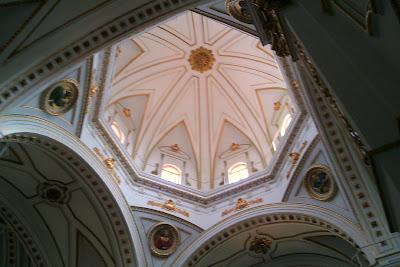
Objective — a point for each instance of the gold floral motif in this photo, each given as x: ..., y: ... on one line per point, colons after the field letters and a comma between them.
x: 93, y: 89
x: 110, y: 163
x: 127, y: 112
x: 168, y: 205
x: 277, y: 105
x: 260, y: 245
x: 295, y: 156
x: 234, y: 146
x: 242, y: 203
x: 201, y: 59
x: 175, y: 148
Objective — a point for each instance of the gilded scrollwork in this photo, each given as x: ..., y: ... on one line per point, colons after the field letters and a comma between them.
x: 109, y: 163
x: 363, y: 18
x: 168, y: 205
x: 242, y: 203
x: 272, y: 26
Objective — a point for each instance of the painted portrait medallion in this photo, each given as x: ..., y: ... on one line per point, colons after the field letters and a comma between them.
x: 163, y: 239
x: 319, y: 183
x: 60, y: 97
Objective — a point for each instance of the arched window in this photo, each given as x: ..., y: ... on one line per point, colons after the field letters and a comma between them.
x: 118, y: 132
x: 285, y: 124
x: 237, y: 172
x: 171, y: 173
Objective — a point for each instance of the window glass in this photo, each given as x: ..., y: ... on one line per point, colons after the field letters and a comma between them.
x: 171, y: 173
x: 118, y: 132
x: 285, y: 124
x: 238, y: 172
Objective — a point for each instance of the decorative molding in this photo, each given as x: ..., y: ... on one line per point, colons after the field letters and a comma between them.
x: 168, y: 205
x: 242, y: 203
x: 332, y: 120
x: 84, y: 45
x: 363, y: 18
x: 41, y: 3
x: 197, y: 196
x: 29, y: 242
x: 93, y: 181
x: 254, y: 223
x: 295, y: 156
x: 299, y: 166
x: 53, y: 192
x: 167, y: 216
x: 264, y: 14
x: 109, y: 163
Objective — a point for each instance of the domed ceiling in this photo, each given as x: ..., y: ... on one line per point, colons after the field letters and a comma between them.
x: 196, y: 99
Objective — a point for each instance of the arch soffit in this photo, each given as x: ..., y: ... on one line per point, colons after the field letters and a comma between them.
x: 274, y: 213
x: 51, y: 137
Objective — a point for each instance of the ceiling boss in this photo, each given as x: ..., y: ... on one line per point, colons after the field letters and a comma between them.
x: 201, y: 59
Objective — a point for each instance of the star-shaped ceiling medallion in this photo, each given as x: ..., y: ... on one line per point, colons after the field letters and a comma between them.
x: 201, y: 59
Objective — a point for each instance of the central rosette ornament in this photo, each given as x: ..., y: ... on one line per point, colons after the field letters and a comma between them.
x: 201, y: 59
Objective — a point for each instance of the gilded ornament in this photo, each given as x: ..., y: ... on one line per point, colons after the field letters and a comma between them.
x: 242, y: 203
x: 277, y: 105
x: 234, y: 146
x: 320, y: 183
x: 168, y: 205
x: 238, y: 9
x: 110, y: 163
x: 127, y: 112
x: 270, y: 21
x: 53, y: 192
x: 295, y: 84
x: 93, y: 89
x: 175, y: 148
x: 294, y: 156
x: 260, y: 245
x: 201, y: 59
x: 163, y: 239
x: 60, y: 97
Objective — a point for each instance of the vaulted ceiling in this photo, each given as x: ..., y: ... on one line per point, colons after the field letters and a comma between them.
x: 202, y: 85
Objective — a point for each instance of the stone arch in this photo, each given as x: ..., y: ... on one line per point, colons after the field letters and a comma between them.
x: 321, y: 218
x: 116, y: 229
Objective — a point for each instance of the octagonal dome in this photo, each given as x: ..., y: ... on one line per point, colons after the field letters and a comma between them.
x: 196, y: 102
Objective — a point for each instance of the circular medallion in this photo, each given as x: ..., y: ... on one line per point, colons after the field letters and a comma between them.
x: 60, y: 97
x: 163, y: 239
x: 319, y: 183
x: 201, y: 59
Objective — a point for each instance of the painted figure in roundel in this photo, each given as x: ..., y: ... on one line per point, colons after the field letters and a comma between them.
x: 163, y: 239
x: 320, y: 182
x: 60, y: 97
